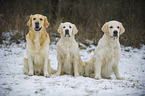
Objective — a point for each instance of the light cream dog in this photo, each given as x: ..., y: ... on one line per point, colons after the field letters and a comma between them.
x: 69, y: 61
x: 37, y: 47
x: 107, y: 53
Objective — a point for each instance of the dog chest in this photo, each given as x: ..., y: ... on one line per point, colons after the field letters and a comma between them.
x: 37, y: 42
x: 38, y: 59
x: 107, y: 57
x: 69, y: 60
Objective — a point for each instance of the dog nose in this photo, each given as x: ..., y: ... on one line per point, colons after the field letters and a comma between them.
x: 66, y: 30
x: 37, y: 24
x: 115, y: 33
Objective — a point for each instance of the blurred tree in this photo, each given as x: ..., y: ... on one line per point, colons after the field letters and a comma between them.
x: 88, y: 15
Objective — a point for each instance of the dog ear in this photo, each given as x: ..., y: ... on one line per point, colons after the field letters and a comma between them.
x: 60, y: 28
x: 29, y: 23
x: 75, y: 30
x: 46, y: 23
x: 122, y: 30
x: 105, y: 27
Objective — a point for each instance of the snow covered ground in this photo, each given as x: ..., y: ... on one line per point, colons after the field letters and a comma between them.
x: 14, y: 83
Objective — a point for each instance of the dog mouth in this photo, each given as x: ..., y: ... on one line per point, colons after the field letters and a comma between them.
x: 67, y: 33
x: 38, y: 28
x: 114, y: 37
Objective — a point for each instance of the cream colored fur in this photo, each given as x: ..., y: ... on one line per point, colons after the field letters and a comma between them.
x: 107, y: 53
x: 89, y: 68
x: 37, y: 48
x: 69, y: 61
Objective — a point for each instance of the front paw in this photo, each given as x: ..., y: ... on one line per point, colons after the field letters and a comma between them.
x: 120, y: 78
x: 57, y: 73
x: 77, y: 75
x: 30, y: 73
x: 47, y: 75
x: 97, y: 77
x: 92, y: 75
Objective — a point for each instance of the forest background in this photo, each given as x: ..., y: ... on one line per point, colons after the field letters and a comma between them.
x: 88, y: 16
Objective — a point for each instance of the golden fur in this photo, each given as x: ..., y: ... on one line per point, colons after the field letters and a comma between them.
x: 37, y: 47
x: 69, y: 61
x: 107, y: 53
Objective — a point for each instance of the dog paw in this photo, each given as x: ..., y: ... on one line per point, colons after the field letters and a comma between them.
x: 77, y: 75
x: 120, y: 78
x: 107, y: 77
x: 47, y: 75
x: 97, y: 77
x: 30, y: 73
x: 57, y: 73
x: 92, y: 75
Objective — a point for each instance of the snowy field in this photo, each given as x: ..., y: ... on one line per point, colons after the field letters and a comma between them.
x: 14, y: 83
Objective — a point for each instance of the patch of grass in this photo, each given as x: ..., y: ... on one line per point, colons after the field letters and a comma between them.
x: 130, y: 80
x: 73, y: 87
x: 127, y: 50
x: 26, y: 78
x: 36, y: 91
x: 89, y: 51
x: 133, y: 86
x: 89, y: 91
x: 9, y: 89
x: 41, y: 89
x: 4, y: 84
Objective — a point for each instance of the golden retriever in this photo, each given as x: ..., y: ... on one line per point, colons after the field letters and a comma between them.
x: 107, y: 53
x: 37, y: 47
x: 69, y: 61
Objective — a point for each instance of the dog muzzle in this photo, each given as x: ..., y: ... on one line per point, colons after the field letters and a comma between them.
x: 37, y: 27
x: 115, y: 34
x: 67, y: 33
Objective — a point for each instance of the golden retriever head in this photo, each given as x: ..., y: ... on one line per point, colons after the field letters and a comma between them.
x: 113, y: 28
x: 38, y: 22
x: 67, y: 29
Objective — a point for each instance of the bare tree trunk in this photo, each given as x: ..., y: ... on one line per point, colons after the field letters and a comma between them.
x: 59, y: 8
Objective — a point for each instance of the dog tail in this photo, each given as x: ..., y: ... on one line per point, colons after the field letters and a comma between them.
x: 81, y: 66
x: 89, y: 68
x: 89, y: 63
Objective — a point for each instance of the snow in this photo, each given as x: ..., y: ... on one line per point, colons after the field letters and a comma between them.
x: 14, y: 83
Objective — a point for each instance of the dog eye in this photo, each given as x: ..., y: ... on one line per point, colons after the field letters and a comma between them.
x: 111, y: 26
x: 34, y: 18
x: 69, y: 26
x: 41, y: 19
x: 118, y: 27
x: 63, y: 26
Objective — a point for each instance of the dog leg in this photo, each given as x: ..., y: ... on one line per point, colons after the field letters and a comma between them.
x: 50, y: 70
x: 26, y: 66
x: 98, y: 66
x: 59, y: 67
x: 46, y: 74
x: 75, y: 63
x: 31, y: 72
x: 116, y: 72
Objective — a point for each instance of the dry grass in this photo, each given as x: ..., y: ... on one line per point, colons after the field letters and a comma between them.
x: 88, y: 16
